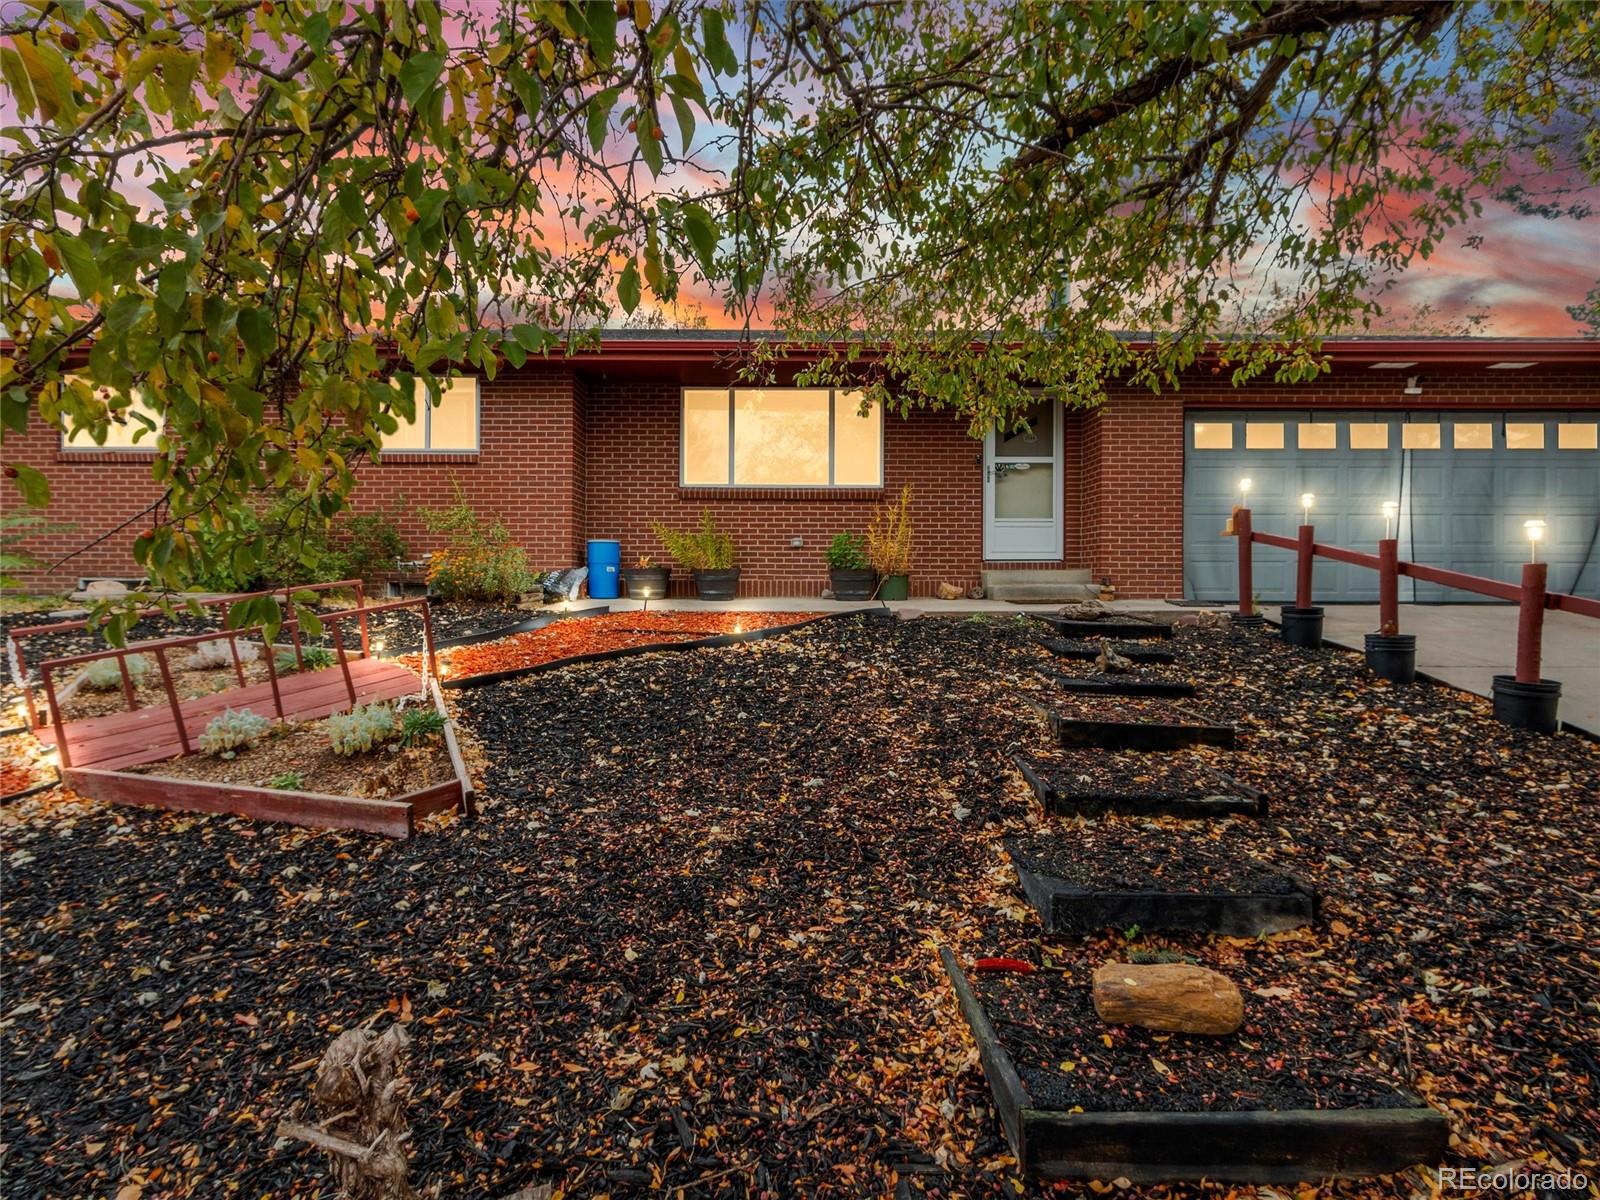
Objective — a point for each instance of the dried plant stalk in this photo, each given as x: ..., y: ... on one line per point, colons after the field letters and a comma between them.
x: 889, y: 536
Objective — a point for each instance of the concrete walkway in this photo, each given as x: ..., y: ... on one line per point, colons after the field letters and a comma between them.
x: 1464, y: 645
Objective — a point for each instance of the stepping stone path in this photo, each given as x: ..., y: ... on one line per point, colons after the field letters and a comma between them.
x: 1118, y: 871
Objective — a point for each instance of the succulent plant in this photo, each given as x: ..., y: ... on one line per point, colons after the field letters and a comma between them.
x: 106, y: 676
x: 419, y: 724
x: 314, y: 658
x: 232, y: 730
x: 360, y: 729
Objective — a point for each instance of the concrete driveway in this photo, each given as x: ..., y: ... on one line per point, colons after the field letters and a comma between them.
x: 1468, y: 644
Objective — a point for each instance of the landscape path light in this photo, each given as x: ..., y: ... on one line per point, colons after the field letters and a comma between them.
x: 1245, y: 485
x: 1307, y: 499
x: 1390, y: 511
x: 1535, y: 532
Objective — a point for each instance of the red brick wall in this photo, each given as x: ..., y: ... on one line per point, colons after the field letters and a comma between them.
x: 529, y: 471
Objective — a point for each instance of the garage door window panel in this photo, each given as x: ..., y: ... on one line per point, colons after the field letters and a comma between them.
x: 1420, y: 436
x: 1317, y: 435
x: 1213, y: 435
x: 1524, y: 435
x: 1368, y: 435
x: 1472, y: 435
x: 1263, y: 435
x: 1573, y: 435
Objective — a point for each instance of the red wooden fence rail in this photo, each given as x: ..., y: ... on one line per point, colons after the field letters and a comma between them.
x: 1531, y: 597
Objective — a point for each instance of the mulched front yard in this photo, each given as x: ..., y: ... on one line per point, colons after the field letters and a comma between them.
x: 692, y: 941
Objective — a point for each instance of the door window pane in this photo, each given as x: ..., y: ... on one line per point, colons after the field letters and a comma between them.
x: 857, y: 442
x: 705, y: 436
x: 1213, y: 436
x: 1025, y: 490
x: 780, y: 437
x: 1318, y: 435
x: 1472, y: 435
x: 1577, y: 435
x: 1369, y: 435
x: 1263, y: 435
x: 1420, y: 435
x: 1037, y: 441
x: 1524, y: 435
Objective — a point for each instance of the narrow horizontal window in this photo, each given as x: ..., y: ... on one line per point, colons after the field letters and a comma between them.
x: 1369, y: 435
x: 133, y: 427
x: 1317, y: 435
x: 1213, y: 436
x: 1263, y: 435
x: 1524, y: 435
x: 1472, y: 435
x: 779, y: 437
x: 449, y: 426
x: 1578, y: 435
x: 1420, y: 435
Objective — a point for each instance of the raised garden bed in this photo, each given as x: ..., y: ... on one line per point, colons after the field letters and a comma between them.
x: 1121, y: 685
x: 1135, y: 784
x: 1124, y: 728
x: 1276, y: 1103
x: 1078, y: 648
x: 1111, y: 626
x: 1085, y: 879
x: 386, y: 790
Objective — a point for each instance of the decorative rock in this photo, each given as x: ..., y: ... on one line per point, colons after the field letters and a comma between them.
x: 1084, y: 610
x: 1171, y: 997
x: 1109, y: 662
x: 949, y: 591
x: 975, y: 593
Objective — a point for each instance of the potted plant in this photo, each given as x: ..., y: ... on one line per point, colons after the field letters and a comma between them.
x: 889, y: 546
x: 707, y: 552
x: 849, y: 574
x: 645, y: 580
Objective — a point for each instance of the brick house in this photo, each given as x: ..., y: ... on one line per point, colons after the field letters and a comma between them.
x: 1468, y: 437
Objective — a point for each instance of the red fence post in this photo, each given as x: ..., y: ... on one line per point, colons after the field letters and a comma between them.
x: 1302, y: 574
x: 1389, y: 587
x: 1530, y: 622
x: 1241, y: 529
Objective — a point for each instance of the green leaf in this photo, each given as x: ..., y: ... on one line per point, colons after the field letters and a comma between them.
x: 81, y: 265
x: 649, y: 143
x: 598, y: 113
x: 255, y: 327
x: 172, y: 285
x: 702, y: 233
x: 420, y: 72
x: 602, y: 18
x: 35, y: 488
x: 628, y: 287
x: 685, y: 115
x: 51, y: 79
x: 718, y: 52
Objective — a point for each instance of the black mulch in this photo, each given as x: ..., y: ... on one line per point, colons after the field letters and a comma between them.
x: 1198, y: 772
x: 1300, y: 1053
x: 692, y: 941
x: 1115, y: 853
x: 1085, y: 648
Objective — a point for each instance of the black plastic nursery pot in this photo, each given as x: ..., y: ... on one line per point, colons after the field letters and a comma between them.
x: 1529, y: 706
x: 716, y: 585
x: 1393, y: 656
x: 646, y: 583
x: 1246, y: 620
x: 895, y: 587
x: 1302, y: 626
x: 853, y: 585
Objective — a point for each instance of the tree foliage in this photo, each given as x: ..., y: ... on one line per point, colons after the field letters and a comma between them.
x: 266, y: 220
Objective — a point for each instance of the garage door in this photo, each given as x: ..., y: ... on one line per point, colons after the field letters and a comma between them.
x: 1465, y: 483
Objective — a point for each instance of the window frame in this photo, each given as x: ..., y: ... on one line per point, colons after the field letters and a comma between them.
x: 833, y: 395
x: 425, y: 409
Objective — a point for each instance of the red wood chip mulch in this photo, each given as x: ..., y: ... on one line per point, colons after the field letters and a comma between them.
x: 593, y: 635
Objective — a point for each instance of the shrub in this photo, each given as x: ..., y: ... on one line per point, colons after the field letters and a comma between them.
x: 232, y: 730
x: 289, y: 781
x: 847, y: 552
x: 371, y: 544
x: 417, y: 725
x: 481, y: 562
x: 106, y: 676
x: 360, y: 729
x: 704, y: 549
x: 315, y: 658
x: 889, y: 536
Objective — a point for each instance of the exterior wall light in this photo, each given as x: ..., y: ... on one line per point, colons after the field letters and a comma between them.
x: 1535, y: 532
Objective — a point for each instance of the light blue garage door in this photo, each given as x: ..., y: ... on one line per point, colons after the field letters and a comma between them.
x: 1464, y: 483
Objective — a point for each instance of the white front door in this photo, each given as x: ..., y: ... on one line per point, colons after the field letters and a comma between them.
x: 1022, y: 490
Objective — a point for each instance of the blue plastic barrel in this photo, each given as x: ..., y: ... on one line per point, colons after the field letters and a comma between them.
x: 605, y: 573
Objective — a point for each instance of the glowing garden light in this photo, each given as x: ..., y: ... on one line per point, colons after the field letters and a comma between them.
x: 1245, y: 485
x: 1534, y: 530
x: 1390, y: 511
x: 1307, y: 499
